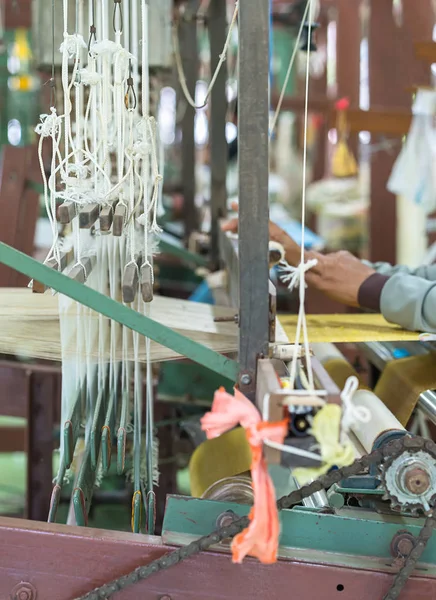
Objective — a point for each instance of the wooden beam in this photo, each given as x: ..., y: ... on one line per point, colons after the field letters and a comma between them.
x: 57, y: 562
x: 425, y: 51
x: 392, y: 69
x: 387, y: 121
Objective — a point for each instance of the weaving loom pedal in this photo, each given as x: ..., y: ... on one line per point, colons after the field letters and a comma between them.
x: 131, y: 279
x: 66, y: 212
x: 88, y: 215
x: 119, y: 219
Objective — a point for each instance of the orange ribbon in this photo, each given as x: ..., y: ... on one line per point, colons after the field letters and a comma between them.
x: 261, y: 538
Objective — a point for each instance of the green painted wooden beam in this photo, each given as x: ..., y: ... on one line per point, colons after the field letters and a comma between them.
x: 180, y: 252
x: 124, y: 315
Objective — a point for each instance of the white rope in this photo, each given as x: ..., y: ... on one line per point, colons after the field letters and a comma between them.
x: 288, y: 72
x: 351, y: 413
x: 179, y: 63
x: 296, y: 275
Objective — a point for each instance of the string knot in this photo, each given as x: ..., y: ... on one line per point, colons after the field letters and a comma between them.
x: 72, y: 44
x: 351, y: 413
x: 293, y: 275
x: 88, y: 77
x: 49, y: 124
x: 102, y: 48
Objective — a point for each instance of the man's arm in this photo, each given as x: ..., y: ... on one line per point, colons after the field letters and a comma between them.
x: 404, y: 296
x: 426, y: 272
x: 409, y: 301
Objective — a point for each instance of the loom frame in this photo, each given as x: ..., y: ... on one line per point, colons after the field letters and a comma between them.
x: 77, y: 559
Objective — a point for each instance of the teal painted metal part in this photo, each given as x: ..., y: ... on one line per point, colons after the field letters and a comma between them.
x: 182, y: 253
x: 350, y: 532
x: 104, y: 305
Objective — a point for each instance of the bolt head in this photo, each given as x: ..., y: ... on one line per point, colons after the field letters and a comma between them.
x: 225, y: 519
x: 405, y: 546
x: 402, y: 544
x: 417, y: 480
x: 245, y: 379
x: 23, y: 591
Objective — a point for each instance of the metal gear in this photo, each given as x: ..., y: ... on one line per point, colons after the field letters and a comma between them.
x: 409, y: 477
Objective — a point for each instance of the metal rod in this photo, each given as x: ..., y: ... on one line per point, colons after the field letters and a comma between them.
x: 253, y: 187
x: 218, y: 143
x: 112, y: 309
x: 427, y: 404
x: 189, y: 54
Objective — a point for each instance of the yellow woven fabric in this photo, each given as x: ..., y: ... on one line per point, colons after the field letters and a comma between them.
x: 224, y: 456
x: 340, y: 370
x: 348, y: 328
x: 403, y: 380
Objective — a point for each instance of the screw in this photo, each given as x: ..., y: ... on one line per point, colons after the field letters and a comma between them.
x: 23, y: 591
x: 225, y: 519
x: 417, y: 480
x: 405, y: 546
x: 245, y: 379
x: 402, y: 544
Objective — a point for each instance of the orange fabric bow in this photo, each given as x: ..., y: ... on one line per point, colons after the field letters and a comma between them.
x: 261, y: 538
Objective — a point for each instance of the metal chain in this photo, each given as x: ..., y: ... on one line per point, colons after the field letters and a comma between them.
x: 295, y: 497
x: 411, y: 561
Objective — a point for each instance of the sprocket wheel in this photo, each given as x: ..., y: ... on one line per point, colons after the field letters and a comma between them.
x: 409, y: 476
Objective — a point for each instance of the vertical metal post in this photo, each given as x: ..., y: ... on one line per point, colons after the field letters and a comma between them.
x: 188, y: 50
x: 253, y: 187
x: 218, y: 147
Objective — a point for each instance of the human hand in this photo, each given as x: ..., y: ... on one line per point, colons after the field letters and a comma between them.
x: 338, y: 275
x: 276, y: 234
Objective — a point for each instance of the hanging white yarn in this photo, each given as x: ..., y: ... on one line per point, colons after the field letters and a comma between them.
x: 351, y: 413
x: 291, y: 275
x: 72, y: 44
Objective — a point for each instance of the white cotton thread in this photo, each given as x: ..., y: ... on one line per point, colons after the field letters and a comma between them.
x: 289, y: 70
x: 351, y: 413
x: 222, y: 59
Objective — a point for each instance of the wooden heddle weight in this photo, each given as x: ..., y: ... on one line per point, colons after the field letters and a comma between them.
x: 131, y: 279
x: 147, y: 282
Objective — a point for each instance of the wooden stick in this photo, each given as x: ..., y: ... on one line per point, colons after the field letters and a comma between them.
x: 88, y: 216
x: 118, y: 220
x: 147, y: 282
x: 66, y: 212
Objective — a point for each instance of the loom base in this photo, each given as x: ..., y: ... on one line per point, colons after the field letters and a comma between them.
x: 351, y: 537
x: 76, y: 560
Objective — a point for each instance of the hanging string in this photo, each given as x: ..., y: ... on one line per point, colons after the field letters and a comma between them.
x: 288, y: 72
x: 302, y: 268
x: 179, y: 62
